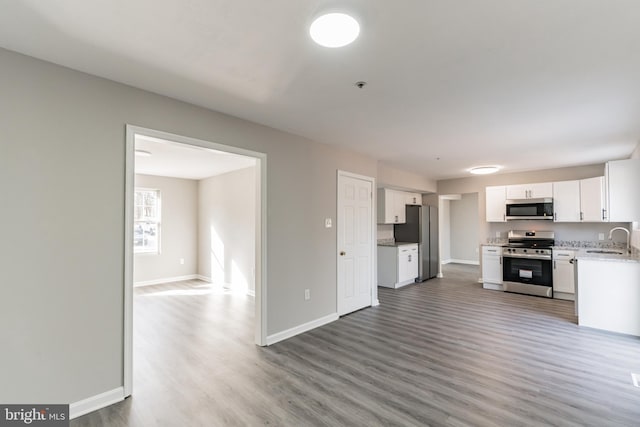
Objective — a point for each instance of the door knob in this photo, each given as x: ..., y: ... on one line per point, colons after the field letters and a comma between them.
x: 342, y: 253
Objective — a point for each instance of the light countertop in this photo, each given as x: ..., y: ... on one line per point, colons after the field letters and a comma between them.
x: 584, y: 253
x: 394, y: 244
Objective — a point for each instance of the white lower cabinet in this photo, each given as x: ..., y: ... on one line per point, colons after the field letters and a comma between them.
x: 563, y: 274
x: 492, y: 267
x: 609, y: 295
x: 398, y: 265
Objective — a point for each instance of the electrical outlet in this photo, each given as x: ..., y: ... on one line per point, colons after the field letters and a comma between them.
x: 497, y: 234
x: 307, y: 294
x: 600, y: 236
x: 181, y: 261
x: 327, y: 223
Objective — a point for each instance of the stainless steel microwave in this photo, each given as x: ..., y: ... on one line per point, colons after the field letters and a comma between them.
x: 530, y: 209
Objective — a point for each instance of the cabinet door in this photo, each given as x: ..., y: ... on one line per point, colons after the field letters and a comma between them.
x: 495, y: 204
x: 566, y: 201
x: 414, y: 264
x: 530, y: 191
x: 592, y: 200
x: 413, y: 199
x: 517, y: 192
x: 541, y: 190
x: 391, y: 206
x: 563, y: 277
x: 624, y: 198
x: 399, y: 207
x: 492, y: 264
x: 404, y: 273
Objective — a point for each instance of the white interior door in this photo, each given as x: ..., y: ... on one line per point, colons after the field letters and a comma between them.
x: 355, y: 243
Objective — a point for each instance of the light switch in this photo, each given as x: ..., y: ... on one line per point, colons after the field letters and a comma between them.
x: 327, y: 222
x: 600, y: 236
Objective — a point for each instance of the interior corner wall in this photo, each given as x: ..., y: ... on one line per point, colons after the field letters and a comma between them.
x: 226, y: 228
x: 62, y: 179
x: 445, y: 231
x: 464, y: 229
x: 178, y: 231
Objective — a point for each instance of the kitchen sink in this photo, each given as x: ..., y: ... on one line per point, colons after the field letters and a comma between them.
x: 602, y: 251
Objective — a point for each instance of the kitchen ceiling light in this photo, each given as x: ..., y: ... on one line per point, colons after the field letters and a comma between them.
x: 484, y: 170
x: 334, y: 30
x: 143, y: 153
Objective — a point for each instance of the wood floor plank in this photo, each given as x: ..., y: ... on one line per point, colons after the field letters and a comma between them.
x: 442, y: 353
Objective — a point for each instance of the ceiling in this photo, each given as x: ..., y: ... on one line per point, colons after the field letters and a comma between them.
x: 185, y: 161
x: 452, y: 84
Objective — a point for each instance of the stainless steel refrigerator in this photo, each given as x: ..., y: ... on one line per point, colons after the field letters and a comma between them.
x: 422, y: 228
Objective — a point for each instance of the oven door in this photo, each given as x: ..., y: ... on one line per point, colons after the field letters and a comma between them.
x: 526, y: 270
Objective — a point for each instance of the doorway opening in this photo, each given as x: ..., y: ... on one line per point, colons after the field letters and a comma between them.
x: 459, y: 225
x: 195, y: 216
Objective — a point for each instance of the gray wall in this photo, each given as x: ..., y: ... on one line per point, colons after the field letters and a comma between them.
x: 178, y: 230
x: 226, y: 224
x: 464, y: 228
x: 391, y: 177
x: 62, y: 169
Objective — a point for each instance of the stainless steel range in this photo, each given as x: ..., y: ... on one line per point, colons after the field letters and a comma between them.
x: 527, y: 265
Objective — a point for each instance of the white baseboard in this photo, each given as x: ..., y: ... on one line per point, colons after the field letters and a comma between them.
x: 461, y: 261
x: 165, y: 280
x: 251, y: 293
x: 376, y: 303
x: 204, y: 278
x: 96, y: 402
x: 280, y: 336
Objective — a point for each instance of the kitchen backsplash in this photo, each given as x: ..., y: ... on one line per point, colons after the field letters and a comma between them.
x: 606, y: 244
x: 385, y: 232
x: 496, y: 241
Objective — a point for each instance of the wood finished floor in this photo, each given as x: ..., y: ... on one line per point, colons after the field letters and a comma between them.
x: 442, y: 353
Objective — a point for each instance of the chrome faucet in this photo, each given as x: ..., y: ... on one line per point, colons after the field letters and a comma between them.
x: 628, y: 236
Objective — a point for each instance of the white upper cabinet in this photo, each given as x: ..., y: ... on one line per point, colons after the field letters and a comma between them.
x: 391, y: 206
x: 593, y: 200
x: 495, y: 203
x: 566, y: 201
x: 530, y: 191
x: 413, y: 199
x: 580, y: 200
x: 623, y: 177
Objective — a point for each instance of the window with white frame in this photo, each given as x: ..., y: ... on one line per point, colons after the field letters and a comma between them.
x: 146, y: 221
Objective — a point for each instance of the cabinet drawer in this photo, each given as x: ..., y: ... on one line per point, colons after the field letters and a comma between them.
x: 492, y: 250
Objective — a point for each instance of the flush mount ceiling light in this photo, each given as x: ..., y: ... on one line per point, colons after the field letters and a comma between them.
x: 143, y: 153
x: 484, y: 170
x: 334, y: 30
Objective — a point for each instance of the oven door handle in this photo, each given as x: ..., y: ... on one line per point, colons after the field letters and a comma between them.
x: 540, y: 257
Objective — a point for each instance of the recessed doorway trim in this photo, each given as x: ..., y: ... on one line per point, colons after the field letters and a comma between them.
x: 261, y: 237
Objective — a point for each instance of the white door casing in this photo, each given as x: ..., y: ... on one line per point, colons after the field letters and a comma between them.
x: 260, y: 333
x: 356, y: 237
